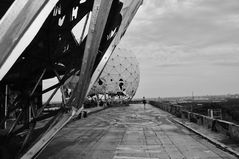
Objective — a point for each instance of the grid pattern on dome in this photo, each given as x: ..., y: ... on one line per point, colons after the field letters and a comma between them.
x: 121, y: 74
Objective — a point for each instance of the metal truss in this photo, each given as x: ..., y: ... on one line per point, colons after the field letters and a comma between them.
x: 44, y: 47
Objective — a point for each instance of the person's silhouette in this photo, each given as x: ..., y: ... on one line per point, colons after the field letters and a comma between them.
x: 144, y: 101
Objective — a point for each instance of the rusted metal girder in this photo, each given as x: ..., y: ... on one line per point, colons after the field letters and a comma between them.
x: 100, y: 13
x: 98, y: 20
x: 36, y: 43
x: 18, y: 27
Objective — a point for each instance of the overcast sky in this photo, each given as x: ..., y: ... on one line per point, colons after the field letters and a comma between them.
x: 186, y: 45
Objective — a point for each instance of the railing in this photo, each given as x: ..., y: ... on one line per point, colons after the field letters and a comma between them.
x: 216, y: 125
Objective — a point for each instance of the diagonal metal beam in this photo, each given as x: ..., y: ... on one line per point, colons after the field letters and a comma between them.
x: 61, y: 120
x: 99, y: 18
x: 128, y: 12
x: 18, y: 27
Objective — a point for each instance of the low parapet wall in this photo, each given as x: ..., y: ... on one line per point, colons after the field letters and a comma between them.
x: 220, y: 126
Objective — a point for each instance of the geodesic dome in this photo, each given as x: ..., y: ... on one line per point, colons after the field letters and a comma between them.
x: 120, y: 75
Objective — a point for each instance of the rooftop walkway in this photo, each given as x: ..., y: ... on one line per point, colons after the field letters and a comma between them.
x: 130, y: 132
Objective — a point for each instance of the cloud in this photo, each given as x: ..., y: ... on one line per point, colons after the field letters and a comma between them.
x: 228, y: 64
x: 190, y: 25
x: 185, y: 34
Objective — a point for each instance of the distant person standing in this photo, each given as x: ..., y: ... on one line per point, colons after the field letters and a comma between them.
x: 144, y: 101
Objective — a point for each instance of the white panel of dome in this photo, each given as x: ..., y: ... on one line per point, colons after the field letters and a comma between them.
x: 120, y: 75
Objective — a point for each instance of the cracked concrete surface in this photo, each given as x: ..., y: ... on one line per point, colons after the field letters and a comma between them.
x: 130, y: 132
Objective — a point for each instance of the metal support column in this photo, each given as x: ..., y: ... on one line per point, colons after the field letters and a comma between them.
x: 100, y: 13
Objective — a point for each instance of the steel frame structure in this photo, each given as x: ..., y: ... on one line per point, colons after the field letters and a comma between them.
x: 36, y: 43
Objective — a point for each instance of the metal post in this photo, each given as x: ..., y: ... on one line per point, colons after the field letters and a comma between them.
x: 98, y: 100
x: 5, y: 106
